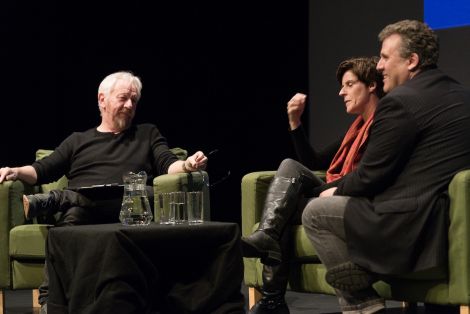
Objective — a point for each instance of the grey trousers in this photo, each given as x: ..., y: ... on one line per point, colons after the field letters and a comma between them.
x: 323, y: 221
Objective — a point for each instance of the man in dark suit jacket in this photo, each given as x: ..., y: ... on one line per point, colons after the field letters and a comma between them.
x: 390, y: 215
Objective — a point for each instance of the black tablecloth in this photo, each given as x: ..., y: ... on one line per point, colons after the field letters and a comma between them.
x: 154, y: 269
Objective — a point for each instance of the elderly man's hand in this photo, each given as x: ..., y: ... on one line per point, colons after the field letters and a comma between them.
x: 8, y: 174
x: 198, y: 161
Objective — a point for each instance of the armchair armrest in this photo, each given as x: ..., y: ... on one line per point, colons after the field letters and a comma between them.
x: 11, y: 215
x: 192, y: 181
x: 254, y: 188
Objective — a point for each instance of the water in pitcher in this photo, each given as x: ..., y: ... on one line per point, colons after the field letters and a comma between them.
x: 135, y: 208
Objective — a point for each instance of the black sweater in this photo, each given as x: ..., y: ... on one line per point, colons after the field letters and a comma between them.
x: 93, y: 157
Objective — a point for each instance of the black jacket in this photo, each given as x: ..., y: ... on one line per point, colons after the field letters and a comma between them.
x: 396, y: 221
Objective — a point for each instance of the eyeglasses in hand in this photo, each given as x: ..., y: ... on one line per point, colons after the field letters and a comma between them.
x: 222, y: 179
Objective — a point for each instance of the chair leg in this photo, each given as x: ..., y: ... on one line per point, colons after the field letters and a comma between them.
x: 2, y: 302
x: 35, y: 298
x: 409, y: 305
x: 464, y: 309
x: 254, y: 295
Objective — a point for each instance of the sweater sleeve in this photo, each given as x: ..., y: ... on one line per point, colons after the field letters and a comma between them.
x: 54, y: 166
x: 308, y: 156
x: 162, y: 156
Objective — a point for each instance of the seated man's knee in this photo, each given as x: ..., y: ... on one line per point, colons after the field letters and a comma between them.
x: 333, y: 206
x: 74, y: 216
x: 311, y: 213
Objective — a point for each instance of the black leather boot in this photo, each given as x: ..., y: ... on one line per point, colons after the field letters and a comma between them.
x: 270, y: 303
x: 280, y: 205
x: 50, y: 203
x: 275, y: 279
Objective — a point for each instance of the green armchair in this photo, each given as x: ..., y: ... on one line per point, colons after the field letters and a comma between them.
x: 22, y: 243
x: 438, y: 286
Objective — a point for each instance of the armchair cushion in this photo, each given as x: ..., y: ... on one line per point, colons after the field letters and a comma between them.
x: 28, y: 241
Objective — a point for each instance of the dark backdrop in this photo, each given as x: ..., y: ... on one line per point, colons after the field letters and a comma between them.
x: 216, y: 75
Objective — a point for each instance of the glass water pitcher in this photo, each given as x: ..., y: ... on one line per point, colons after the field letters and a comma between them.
x: 135, y: 208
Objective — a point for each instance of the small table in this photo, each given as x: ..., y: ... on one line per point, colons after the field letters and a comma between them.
x: 111, y: 268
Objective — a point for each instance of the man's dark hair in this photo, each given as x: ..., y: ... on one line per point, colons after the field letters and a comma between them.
x: 417, y: 37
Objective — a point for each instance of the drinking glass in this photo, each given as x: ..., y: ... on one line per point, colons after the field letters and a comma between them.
x: 178, y: 212
x: 163, y: 209
x: 195, y: 207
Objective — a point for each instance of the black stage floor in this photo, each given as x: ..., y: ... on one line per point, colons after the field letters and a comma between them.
x: 19, y: 302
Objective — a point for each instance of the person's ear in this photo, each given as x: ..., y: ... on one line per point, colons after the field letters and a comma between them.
x: 101, y: 99
x: 413, y: 62
x: 372, y: 87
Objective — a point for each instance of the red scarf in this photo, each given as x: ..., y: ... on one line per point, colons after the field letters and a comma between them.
x: 351, y: 149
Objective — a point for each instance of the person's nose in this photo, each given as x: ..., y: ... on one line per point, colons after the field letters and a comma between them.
x: 129, y: 104
x: 342, y: 93
x: 380, y: 65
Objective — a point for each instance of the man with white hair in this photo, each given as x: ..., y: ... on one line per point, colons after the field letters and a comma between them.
x: 100, y: 155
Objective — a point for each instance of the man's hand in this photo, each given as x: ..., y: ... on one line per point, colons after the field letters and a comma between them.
x: 198, y: 161
x: 8, y: 174
x: 328, y: 192
x: 295, y: 109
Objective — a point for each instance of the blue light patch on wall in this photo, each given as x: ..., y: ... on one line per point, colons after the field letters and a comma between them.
x: 446, y: 13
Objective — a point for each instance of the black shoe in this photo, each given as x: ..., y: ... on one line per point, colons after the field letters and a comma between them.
x: 259, y: 244
x: 270, y: 304
x: 49, y: 204
x: 35, y: 204
x: 349, y: 277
